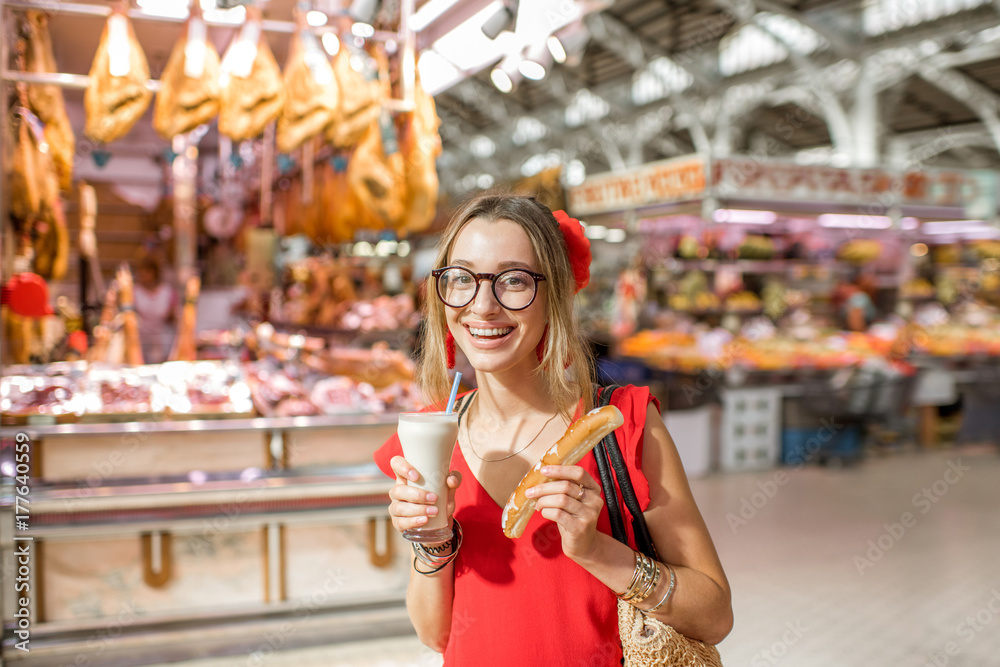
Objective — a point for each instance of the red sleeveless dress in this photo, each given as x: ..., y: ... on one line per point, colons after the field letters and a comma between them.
x: 522, y: 602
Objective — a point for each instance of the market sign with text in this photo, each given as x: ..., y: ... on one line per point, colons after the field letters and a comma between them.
x: 974, y: 191
x: 654, y: 183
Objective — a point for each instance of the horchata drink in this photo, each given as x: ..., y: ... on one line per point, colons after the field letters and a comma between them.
x: 428, y: 440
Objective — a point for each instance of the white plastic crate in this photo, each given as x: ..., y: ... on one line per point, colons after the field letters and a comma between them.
x: 693, y: 431
x: 751, y: 429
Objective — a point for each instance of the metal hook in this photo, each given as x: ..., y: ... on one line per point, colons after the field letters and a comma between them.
x: 159, y: 577
x: 385, y: 558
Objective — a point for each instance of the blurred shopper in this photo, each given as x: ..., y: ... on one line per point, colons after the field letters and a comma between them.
x: 855, y: 301
x: 156, y: 306
x: 503, y: 292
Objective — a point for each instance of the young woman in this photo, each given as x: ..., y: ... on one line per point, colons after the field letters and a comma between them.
x: 503, y: 293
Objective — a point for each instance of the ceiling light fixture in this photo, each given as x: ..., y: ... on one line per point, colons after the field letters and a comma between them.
x: 952, y: 227
x: 745, y: 217
x: 530, y: 69
x: 615, y: 235
x: 501, y: 80
x: 216, y: 14
x: 504, y: 18
x: 362, y: 30
x: 855, y: 221
x: 331, y: 43
x: 316, y: 18
x: 163, y: 8
x: 556, y: 49
x: 482, y: 146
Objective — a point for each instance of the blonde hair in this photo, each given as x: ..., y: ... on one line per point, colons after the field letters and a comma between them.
x: 567, y: 365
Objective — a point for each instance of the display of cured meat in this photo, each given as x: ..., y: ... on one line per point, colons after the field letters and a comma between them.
x: 46, y: 100
x: 24, y: 183
x: 253, y: 93
x: 375, y: 175
x: 189, y: 87
x: 383, y: 313
x: 288, y: 209
x: 360, y: 98
x: 34, y: 195
x: 276, y: 394
x: 400, y: 396
x: 22, y: 396
x: 312, y: 95
x: 51, y: 244
x: 340, y: 207
x: 205, y: 388
x: 342, y: 395
x: 420, y: 144
x: 124, y: 390
x: 186, y: 347
x: 311, y: 211
x: 117, y: 94
x: 130, y: 322
x: 379, y: 366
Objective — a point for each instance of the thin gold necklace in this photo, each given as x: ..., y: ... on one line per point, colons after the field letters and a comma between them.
x: 472, y: 445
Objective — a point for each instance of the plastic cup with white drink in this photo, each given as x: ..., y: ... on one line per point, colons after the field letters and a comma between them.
x: 428, y: 440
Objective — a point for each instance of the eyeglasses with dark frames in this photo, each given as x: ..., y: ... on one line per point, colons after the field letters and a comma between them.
x: 514, y: 289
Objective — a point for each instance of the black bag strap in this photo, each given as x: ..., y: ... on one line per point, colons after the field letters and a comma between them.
x: 466, y: 402
x: 602, y: 397
x: 609, y: 456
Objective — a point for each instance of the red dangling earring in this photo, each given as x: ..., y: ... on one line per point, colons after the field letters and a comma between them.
x: 540, y: 348
x: 449, y: 346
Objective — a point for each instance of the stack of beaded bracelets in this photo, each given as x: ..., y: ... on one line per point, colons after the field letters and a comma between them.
x: 436, y: 557
x: 644, y: 582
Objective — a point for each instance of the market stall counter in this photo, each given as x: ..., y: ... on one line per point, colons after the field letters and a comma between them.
x: 222, y: 528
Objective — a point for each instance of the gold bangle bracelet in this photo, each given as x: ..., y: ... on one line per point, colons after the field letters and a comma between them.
x: 635, y: 576
x: 643, y: 579
x: 670, y: 591
x: 648, y: 590
x: 649, y: 581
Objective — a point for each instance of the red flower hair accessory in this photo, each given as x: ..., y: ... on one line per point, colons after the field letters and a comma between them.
x: 578, y: 247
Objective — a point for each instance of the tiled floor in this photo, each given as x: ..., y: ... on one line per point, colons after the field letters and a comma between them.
x: 894, y: 562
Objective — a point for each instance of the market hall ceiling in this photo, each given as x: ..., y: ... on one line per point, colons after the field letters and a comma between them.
x: 659, y: 78
x: 934, y: 73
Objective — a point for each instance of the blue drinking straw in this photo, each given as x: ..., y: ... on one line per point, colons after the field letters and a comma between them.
x: 454, y: 392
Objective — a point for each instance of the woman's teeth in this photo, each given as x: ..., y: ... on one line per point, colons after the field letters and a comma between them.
x: 490, y: 333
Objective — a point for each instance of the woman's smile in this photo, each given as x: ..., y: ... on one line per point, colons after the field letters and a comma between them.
x: 487, y: 332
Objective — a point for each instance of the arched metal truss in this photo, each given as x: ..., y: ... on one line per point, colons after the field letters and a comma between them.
x: 873, y: 96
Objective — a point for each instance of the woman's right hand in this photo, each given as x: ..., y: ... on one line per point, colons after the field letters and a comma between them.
x: 410, y: 506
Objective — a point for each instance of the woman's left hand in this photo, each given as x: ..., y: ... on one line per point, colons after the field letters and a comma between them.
x: 573, y: 501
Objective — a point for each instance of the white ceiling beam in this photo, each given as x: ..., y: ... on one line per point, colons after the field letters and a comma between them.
x: 969, y: 20
x: 637, y: 50
x: 840, y: 44
x: 984, y: 102
x: 832, y: 110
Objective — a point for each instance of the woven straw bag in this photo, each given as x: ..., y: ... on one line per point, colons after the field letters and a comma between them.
x: 646, y: 642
